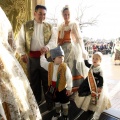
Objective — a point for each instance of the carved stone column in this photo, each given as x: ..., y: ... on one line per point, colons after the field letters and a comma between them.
x: 34, y: 3
x: 17, y: 11
x: 42, y: 2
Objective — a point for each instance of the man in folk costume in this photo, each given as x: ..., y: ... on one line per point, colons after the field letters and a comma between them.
x: 92, y: 93
x: 36, y: 37
x: 59, y: 81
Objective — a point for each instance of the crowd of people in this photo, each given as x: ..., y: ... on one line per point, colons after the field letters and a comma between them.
x: 116, y: 52
x: 112, y: 48
x: 57, y: 60
x: 105, y: 48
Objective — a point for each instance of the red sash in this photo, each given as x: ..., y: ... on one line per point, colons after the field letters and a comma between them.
x: 35, y: 54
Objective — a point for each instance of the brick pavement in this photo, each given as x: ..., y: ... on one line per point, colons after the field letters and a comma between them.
x: 112, y: 78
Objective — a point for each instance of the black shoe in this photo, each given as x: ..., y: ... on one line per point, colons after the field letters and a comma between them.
x: 56, y: 116
x: 65, y: 117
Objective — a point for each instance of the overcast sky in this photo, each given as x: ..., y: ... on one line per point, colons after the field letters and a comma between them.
x: 108, y: 25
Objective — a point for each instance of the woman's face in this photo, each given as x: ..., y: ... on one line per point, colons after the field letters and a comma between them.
x: 66, y: 15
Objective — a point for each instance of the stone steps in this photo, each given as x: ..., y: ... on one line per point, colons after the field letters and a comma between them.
x: 74, y: 112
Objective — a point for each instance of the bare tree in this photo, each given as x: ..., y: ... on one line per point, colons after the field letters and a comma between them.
x: 52, y: 17
x: 80, y: 15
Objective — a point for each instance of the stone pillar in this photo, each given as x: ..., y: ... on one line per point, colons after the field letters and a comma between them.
x: 42, y: 2
x: 18, y: 12
x: 34, y: 3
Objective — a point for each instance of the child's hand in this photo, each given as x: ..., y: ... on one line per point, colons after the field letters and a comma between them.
x: 68, y: 92
x: 43, y: 54
x: 99, y: 89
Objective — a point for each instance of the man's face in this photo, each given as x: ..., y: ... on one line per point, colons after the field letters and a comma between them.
x: 40, y: 15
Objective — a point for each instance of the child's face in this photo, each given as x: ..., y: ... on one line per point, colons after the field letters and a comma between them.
x: 58, y: 60
x: 96, y: 60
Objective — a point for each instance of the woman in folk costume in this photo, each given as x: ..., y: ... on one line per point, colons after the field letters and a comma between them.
x: 92, y: 93
x: 59, y: 81
x: 117, y: 52
x: 17, y: 100
x: 69, y: 37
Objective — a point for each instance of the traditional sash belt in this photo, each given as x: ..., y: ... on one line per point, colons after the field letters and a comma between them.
x: 93, y: 87
x: 35, y: 54
x: 64, y: 41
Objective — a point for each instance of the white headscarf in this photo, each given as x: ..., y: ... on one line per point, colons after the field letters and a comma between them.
x: 5, y: 25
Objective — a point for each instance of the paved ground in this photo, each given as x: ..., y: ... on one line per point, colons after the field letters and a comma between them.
x: 111, y: 71
x: 112, y: 77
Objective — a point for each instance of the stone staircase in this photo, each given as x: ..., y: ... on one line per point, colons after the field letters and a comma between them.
x: 110, y: 114
x: 76, y: 114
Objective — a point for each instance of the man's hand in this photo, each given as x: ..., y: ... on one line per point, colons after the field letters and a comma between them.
x: 44, y: 50
x: 24, y: 58
x: 68, y: 92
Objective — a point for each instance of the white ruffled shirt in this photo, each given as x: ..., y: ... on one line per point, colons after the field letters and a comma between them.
x: 37, y: 39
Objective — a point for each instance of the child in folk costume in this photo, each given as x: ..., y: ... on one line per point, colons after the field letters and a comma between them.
x: 59, y: 80
x: 92, y: 93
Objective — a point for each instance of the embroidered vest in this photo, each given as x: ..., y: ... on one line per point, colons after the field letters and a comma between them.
x: 60, y: 75
x: 29, y: 28
x: 66, y: 38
